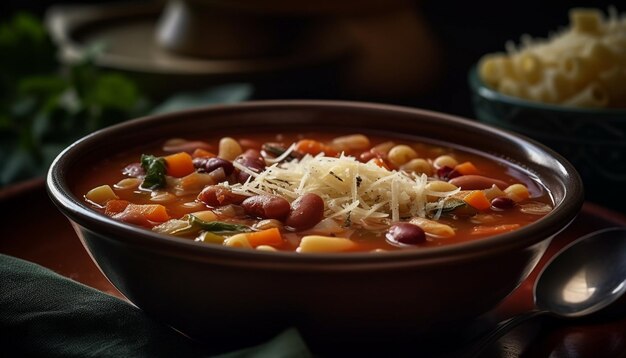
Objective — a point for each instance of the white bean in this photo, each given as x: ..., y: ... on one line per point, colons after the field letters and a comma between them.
x: 229, y: 149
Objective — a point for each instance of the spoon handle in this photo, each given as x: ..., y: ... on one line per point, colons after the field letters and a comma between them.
x: 500, y: 330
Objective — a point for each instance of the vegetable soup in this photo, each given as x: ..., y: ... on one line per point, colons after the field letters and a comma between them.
x: 316, y: 192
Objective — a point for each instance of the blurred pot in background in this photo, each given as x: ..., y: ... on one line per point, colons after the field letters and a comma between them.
x: 323, y: 49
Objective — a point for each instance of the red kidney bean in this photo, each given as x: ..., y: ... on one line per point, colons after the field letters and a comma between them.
x: 366, y: 156
x: 477, y: 182
x: 371, y: 154
x: 454, y: 174
x: 502, y: 203
x: 199, y: 163
x: 214, y: 163
x: 446, y: 173
x: 306, y: 212
x: 405, y: 233
x: 216, y: 195
x: 266, y: 207
x: 443, y: 172
x: 252, y: 160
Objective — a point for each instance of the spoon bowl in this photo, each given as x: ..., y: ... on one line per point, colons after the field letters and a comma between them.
x: 583, y: 278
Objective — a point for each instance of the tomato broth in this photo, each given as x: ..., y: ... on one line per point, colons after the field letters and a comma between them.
x: 315, y: 192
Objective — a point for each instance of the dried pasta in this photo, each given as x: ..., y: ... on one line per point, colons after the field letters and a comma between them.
x: 583, y: 65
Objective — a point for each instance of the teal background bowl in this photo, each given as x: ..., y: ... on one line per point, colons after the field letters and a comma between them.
x: 593, y: 140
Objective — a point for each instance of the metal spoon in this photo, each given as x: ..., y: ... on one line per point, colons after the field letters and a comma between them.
x: 583, y: 278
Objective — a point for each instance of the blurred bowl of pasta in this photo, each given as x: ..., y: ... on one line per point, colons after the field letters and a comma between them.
x: 568, y: 92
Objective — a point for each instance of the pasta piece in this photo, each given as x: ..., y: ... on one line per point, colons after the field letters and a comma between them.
x: 529, y: 67
x: 613, y: 81
x: 586, y: 20
x: 493, y: 67
x: 239, y: 240
x: 542, y: 92
x: 593, y: 95
x: 433, y: 228
x: 574, y: 67
x: 100, y: 195
x: 318, y: 243
x: 513, y: 88
x: 561, y: 85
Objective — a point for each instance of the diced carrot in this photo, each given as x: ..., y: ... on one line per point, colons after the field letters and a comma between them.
x: 152, y: 212
x: 269, y: 237
x: 313, y: 147
x: 113, y: 207
x: 179, y: 164
x: 201, y: 153
x: 477, y: 199
x: 492, y: 230
x: 466, y: 168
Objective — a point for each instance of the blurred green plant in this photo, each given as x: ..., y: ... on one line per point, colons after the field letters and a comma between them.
x: 44, y: 109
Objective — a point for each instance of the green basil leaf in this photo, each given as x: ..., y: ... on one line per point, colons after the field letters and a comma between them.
x: 273, y: 149
x: 218, y: 227
x: 458, y: 207
x: 277, y: 150
x: 451, y: 204
x: 155, y: 172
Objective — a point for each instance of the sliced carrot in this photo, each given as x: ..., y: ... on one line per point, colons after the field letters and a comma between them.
x: 313, y: 147
x: 113, y: 207
x: 201, y: 153
x: 477, y: 199
x: 152, y: 212
x: 466, y: 168
x: 269, y: 237
x: 179, y: 164
x: 492, y: 230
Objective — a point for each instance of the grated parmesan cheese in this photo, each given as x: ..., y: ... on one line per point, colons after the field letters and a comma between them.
x: 352, y: 191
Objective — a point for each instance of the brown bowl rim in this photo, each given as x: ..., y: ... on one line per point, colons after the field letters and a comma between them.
x: 78, y: 212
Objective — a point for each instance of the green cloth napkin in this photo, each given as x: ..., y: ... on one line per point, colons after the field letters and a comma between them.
x: 47, y: 315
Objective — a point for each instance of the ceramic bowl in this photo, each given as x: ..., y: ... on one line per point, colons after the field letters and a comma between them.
x: 593, y: 140
x: 230, y: 297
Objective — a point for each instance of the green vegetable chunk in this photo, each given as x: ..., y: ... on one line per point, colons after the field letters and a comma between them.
x: 218, y: 227
x: 155, y: 172
x: 458, y: 207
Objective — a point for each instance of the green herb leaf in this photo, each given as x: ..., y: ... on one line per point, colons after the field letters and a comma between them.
x: 155, y: 172
x: 451, y: 204
x: 273, y: 149
x: 218, y: 227
x: 277, y: 150
x: 458, y: 207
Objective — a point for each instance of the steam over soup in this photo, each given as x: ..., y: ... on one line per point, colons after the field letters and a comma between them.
x: 315, y: 192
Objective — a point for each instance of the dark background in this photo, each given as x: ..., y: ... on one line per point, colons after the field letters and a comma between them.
x: 460, y: 32
x: 464, y: 30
